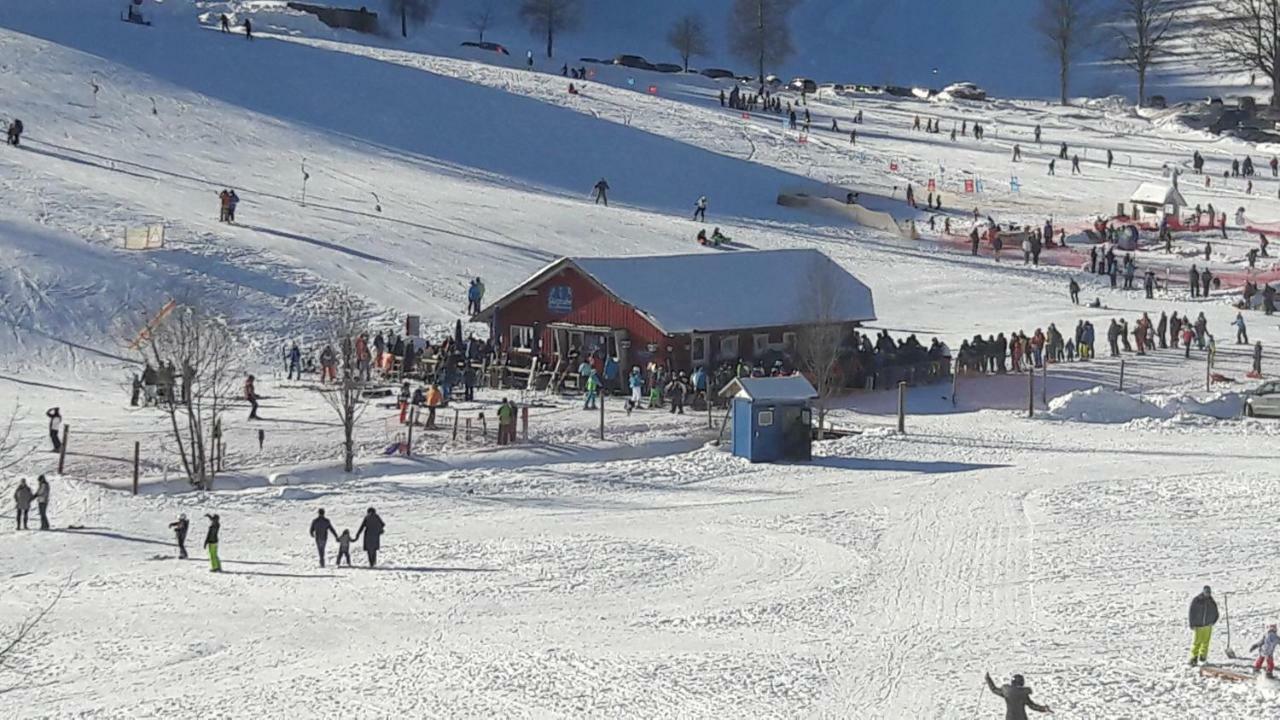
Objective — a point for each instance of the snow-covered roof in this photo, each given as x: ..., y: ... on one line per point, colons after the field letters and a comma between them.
x: 726, y: 290
x: 1161, y: 194
x: 781, y: 389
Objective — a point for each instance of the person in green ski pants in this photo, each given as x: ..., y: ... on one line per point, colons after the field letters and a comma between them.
x: 211, y: 543
x: 1203, y: 615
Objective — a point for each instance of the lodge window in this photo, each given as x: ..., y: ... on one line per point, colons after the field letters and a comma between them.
x: 521, y: 337
x: 789, y: 341
x: 729, y: 347
x: 759, y: 344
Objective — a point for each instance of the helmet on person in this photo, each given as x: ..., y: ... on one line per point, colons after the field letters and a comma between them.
x: 1018, y: 681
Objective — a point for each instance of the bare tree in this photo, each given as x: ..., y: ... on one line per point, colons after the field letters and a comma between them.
x: 199, y: 352
x: 1246, y: 34
x: 759, y: 31
x: 482, y: 17
x: 819, y: 344
x: 1141, y: 32
x: 346, y: 397
x: 11, y: 452
x: 412, y: 12
x: 688, y: 36
x: 548, y: 17
x: 1066, y: 24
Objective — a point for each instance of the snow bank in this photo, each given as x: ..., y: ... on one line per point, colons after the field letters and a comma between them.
x: 1103, y: 405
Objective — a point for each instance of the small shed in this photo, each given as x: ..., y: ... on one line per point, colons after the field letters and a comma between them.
x: 1156, y: 200
x: 772, y: 420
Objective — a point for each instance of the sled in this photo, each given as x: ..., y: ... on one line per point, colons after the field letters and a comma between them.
x: 1222, y: 673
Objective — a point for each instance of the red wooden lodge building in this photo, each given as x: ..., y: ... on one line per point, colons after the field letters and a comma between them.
x: 693, y: 310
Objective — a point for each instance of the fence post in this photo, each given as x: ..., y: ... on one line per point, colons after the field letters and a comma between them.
x: 413, y: 420
x: 954, y: 382
x: 1031, y: 392
x: 1044, y: 382
x: 601, y: 416
x: 902, y: 407
x: 468, y: 432
x: 62, y: 451
x: 524, y: 422
x: 1208, y: 370
x: 455, y: 425
x: 137, y: 447
x: 1121, y: 388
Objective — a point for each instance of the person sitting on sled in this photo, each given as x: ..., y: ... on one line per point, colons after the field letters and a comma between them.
x: 718, y: 238
x: 1266, y: 648
x: 702, y: 237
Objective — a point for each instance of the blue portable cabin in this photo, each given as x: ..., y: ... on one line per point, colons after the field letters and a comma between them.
x: 772, y: 420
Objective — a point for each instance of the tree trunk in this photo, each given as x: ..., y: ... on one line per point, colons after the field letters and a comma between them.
x: 1142, y: 86
x: 404, y: 22
x: 1062, y: 82
x: 1275, y: 54
x: 551, y: 36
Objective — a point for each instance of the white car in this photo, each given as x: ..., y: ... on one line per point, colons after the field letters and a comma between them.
x: 1263, y: 401
x: 962, y: 91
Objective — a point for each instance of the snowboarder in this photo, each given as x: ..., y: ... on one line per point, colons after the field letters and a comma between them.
x: 14, y: 133
x: 1202, y: 617
x: 211, y: 543
x: 372, y: 528
x: 602, y: 192
x: 321, y: 529
x: 251, y: 394
x: 1017, y: 698
x: 22, y: 496
x: 55, y: 427
x: 700, y: 209
x: 42, y: 501
x: 1266, y: 649
x: 180, y: 527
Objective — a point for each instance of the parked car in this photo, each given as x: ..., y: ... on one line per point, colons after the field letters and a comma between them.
x: 803, y: 85
x: 633, y: 61
x: 717, y: 73
x: 772, y: 81
x: 1263, y: 401
x: 668, y: 68
x: 898, y: 91
x: 963, y: 91
x: 594, y: 61
x: 490, y: 46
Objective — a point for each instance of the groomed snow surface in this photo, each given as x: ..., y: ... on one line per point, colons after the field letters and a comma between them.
x: 646, y: 575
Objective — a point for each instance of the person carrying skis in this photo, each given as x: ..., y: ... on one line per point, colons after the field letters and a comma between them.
x: 55, y: 427
x: 700, y: 209
x: 1266, y: 649
x: 1017, y: 698
x: 179, y: 528
x: 1202, y: 617
x: 602, y: 192
x: 321, y: 529
x: 372, y: 528
x: 211, y: 543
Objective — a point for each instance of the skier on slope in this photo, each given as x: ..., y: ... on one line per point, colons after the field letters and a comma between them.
x: 13, y: 135
x: 211, y: 543
x: 1017, y: 698
x: 179, y: 528
x: 700, y: 209
x: 1266, y: 649
x: 1202, y: 617
x: 602, y: 192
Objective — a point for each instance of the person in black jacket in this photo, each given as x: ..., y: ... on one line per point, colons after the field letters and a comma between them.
x: 179, y: 528
x: 211, y: 543
x: 1017, y: 698
x: 371, y: 527
x: 321, y: 529
x: 1202, y: 617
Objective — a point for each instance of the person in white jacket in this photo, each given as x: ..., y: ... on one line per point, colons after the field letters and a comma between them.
x: 1266, y: 649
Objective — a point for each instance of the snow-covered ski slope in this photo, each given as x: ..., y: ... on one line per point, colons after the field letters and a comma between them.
x: 574, y: 578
